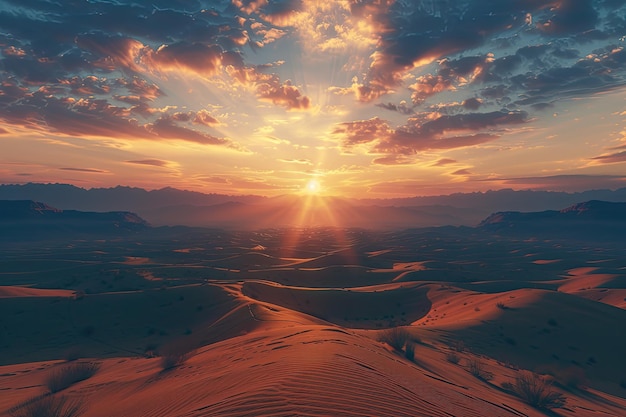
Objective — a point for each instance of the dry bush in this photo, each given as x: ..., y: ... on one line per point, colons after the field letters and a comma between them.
x: 69, y: 374
x: 535, y: 390
x: 175, y: 354
x: 452, y: 357
x: 477, y: 368
x: 409, y: 351
x: 396, y: 337
x: 49, y: 406
x: 459, y: 346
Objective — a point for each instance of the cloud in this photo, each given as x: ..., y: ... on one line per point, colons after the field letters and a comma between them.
x: 419, y: 136
x: 568, y: 183
x: 198, y: 58
x: 414, y: 37
x: 150, y: 162
x: 444, y: 162
x: 297, y: 161
x: 88, y: 170
x: 166, y: 128
x: 96, y: 117
x: 393, y: 160
x: 362, y: 132
x: 428, y: 85
x: 113, y: 51
x: 400, y: 108
x: 571, y: 16
x: 441, y: 133
x: 141, y: 88
x: 201, y: 117
x: 268, y: 87
x: 461, y: 172
x: 611, y: 158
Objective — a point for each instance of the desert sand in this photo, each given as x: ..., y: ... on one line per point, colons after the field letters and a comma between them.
x: 283, y: 324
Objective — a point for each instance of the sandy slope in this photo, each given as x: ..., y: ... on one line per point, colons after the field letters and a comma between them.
x: 9, y: 291
x: 263, y: 351
x: 309, y: 370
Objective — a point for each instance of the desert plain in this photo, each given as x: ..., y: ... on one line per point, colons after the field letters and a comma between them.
x: 313, y: 322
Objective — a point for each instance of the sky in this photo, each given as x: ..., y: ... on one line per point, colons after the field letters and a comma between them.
x: 354, y: 98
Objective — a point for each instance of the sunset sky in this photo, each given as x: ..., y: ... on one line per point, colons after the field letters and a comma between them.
x: 375, y: 98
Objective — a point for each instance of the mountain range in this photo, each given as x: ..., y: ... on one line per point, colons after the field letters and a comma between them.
x: 169, y: 206
x: 29, y: 220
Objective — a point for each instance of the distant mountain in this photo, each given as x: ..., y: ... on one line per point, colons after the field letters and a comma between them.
x: 133, y: 199
x: 31, y: 220
x: 505, y: 200
x: 590, y: 220
x: 294, y: 211
x: 169, y: 206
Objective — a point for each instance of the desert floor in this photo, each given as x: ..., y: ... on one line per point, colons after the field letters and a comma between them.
x: 293, y: 322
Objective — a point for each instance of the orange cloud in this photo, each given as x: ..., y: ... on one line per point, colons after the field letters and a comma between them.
x: 268, y: 87
x: 116, y: 51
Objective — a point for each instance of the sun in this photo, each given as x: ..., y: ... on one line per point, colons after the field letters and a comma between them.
x: 313, y: 186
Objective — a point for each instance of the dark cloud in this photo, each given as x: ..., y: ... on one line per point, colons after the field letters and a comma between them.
x: 417, y: 136
x: 414, y: 35
x: 89, y: 117
x: 150, y: 162
x: 165, y: 128
x: 569, y: 183
x: 112, y: 51
x: 94, y: 68
x: 400, y: 108
x: 408, y: 143
x: 120, y: 51
x: 443, y: 162
x: 472, y: 121
x: 393, y: 160
x: 268, y: 87
x: 461, y: 172
x: 550, y: 63
x: 140, y: 88
x: 571, y: 16
x: 362, y: 131
x: 611, y: 158
x: 472, y: 103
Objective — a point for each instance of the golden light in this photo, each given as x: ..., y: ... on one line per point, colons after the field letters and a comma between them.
x: 313, y: 186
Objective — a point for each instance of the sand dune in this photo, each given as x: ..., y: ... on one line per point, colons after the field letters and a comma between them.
x: 373, y: 307
x: 316, y: 370
x: 274, y: 335
x: 13, y: 291
x: 539, y: 329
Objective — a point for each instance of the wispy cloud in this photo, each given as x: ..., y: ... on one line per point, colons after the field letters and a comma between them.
x: 150, y: 162
x: 88, y: 170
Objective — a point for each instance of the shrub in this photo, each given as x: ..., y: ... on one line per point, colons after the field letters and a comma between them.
x: 476, y: 367
x: 396, y: 337
x: 535, y: 390
x: 501, y: 305
x: 409, y: 351
x: 49, y: 406
x: 69, y: 374
x: 452, y: 357
x: 459, y: 346
x: 175, y: 355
